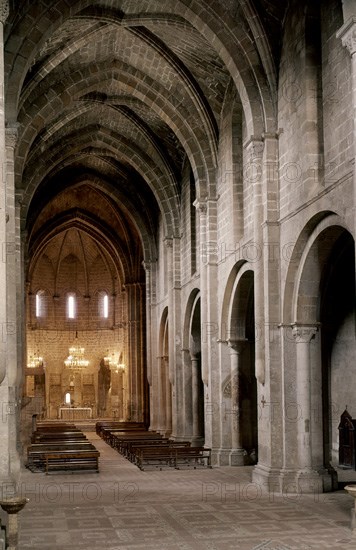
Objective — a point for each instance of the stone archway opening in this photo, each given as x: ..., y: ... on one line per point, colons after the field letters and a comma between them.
x: 325, y: 345
x: 242, y: 335
x: 338, y: 342
x: 198, y: 424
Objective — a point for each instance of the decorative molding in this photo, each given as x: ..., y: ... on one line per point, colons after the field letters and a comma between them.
x: 148, y: 265
x: 237, y: 344
x: 232, y: 386
x: 4, y: 11
x: 11, y: 135
x: 168, y: 241
x: 256, y: 142
x: 201, y: 206
x: 347, y: 33
x: 304, y: 333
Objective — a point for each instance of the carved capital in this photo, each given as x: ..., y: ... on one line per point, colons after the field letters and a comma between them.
x: 347, y: 33
x: 11, y: 135
x: 168, y: 241
x: 237, y: 345
x: 148, y: 265
x: 304, y: 334
x: 4, y: 11
x: 201, y: 206
x: 255, y: 145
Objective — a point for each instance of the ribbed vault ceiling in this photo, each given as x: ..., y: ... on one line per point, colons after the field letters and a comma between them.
x: 111, y: 99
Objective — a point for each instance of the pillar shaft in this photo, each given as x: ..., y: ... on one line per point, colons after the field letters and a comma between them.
x: 303, y: 335
x: 238, y: 454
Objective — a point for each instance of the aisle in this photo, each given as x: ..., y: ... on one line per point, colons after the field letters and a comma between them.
x: 123, y: 508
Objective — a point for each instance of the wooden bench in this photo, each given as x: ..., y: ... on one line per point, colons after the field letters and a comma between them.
x: 38, y: 437
x: 107, y: 432
x: 119, y: 441
x: 192, y: 456
x: 159, y: 457
x: 174, y: 456
x: 72, y: 460
x: 36, y: 452
x: 135, y: 448
x: 104, y: 424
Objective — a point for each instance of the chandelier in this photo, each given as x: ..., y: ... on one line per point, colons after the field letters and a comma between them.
x: 75, y: 359
x: 35, y: 361
x: 113, y: 363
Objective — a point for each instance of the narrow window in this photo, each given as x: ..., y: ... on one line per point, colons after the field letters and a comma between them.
x: 71, y: 306
x: 38, y: 305
x: 105, y: 306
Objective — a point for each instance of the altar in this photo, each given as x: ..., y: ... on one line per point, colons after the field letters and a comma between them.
x: 75, y: 413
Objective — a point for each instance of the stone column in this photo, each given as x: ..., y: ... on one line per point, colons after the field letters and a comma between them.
x: 308, y: 480
x: 187, y: 395
x: 168, y: 398
x: 4, y: 12
x: 197, y: 438
x: 159, y: 400
x: 9, y: 458
x: 148, y: 267
x: 14, y: 329
x: 238, y: 453
x: 135, y: 349
x: 347, y: 33
x: 254, y: 153
x: 174, y: 372
x: 207, y: 217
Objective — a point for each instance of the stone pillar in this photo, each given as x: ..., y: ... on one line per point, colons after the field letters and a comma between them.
x: 308, y: 480
x: 9, y: 456
x: 238, y: 453
x: 174, y: 372
x: 347, y: 33
x: 263, y: 154
x: 136, y: 360
x: 14, y: 329
x: 159, y: 402
x: 4, y: 12
x: 168, y: 398
x: 151, y: 339
x: 195, y: 399
x: 254, y: 153
x: 207, y: 216
x: 187, y: 395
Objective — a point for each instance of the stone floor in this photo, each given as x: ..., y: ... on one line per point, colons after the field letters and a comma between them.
x: 123, y: 508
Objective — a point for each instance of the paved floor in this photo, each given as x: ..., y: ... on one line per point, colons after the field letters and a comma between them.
x: 123, y: 508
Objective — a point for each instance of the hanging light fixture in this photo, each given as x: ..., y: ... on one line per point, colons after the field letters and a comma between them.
x: 113, y: 363
x: 75, y: 359
x: 35, y: 361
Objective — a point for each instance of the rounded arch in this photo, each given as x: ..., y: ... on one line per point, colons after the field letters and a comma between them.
x: 307, y: 259
x: 235, y: 300
x: 106, y: 187
x: 189, y: 308
x: 163, y: 334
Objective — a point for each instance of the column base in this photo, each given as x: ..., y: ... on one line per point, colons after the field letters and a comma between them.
x: 221, y: 457
x: 294, y: 481
x: 230, y: 457
x: 238, y: 457
x: 197, y: 441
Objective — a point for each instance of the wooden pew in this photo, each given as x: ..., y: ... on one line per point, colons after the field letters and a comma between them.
x: 36, y: 452
x: 173, y: 456
x: 107, y: 432
x: 112, y: 424
x: 192, y: 456
x: 120, y: 439
x: 134, y: 448
x: 72, y: 460
x: 37, y: 437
